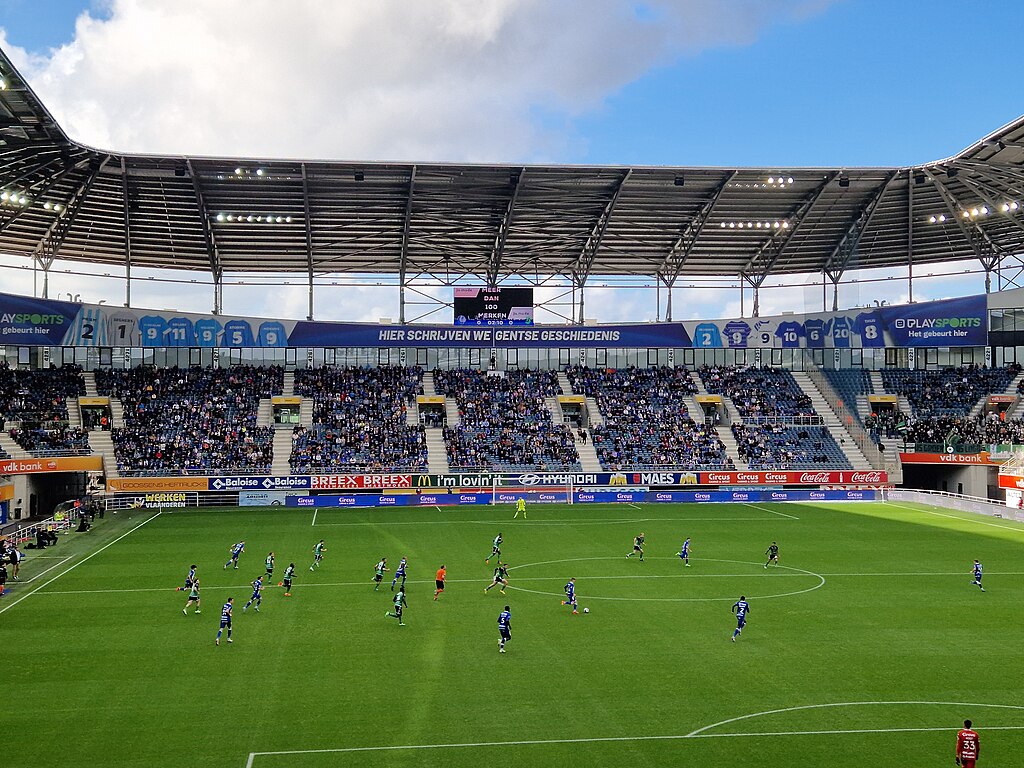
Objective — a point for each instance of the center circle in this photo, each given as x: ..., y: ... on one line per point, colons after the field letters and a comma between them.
x: 819, y: 585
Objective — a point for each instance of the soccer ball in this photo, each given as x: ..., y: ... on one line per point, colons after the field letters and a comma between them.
x: 586, y: 610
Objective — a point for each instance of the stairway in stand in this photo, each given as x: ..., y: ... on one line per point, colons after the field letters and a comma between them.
x: 282, y: 451
x: 288, y: 388
x: 10, y: 447
x: 832, y: 422
x: 588, y: 454
x: 437, y: 453
x: 101, y: 443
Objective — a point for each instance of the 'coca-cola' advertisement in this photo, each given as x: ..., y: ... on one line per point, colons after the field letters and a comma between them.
x: 796, y: 477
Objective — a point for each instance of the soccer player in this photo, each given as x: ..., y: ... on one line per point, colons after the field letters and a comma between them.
x: 439, y: 581
x: 270, y: 568
x: 399, y: 574
x: 399, y: 601
x: 289, y: 574
x: 378, y: 572
x: 3, y: 578
x: 773, y: 554
x: 570, y: 595
x: 977, y: 576
x: 318, y: 554
x: 638, y: 546
x: 193, y: 597
x: 225, y: 619
x: 967, y: 746
x: 495, y: 549
x: 236, y: 550
x: 257, y: 595
x: 684, y: 553
x: 741, y: 609
x: 520, y: 507
x: 188, y: 579
x: 500, y: 578
x: 504, y: 628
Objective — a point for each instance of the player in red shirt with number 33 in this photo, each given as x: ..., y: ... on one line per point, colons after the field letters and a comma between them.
x: 967, y: 747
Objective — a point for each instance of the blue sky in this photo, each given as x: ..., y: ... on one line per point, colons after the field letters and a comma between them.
x: 664, y: 82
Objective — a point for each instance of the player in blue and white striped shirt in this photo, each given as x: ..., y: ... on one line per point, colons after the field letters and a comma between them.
x: 399, y: 574
x: 225, y: 619
x: 504, y: 628
x: 977, y: 576
x: 257, y: 595
x: 741, y: 609
x: 188, y: 580
x: 684, y: 553
x: 236, y: 550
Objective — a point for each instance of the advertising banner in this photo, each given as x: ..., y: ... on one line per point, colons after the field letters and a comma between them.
x: 144, y: 484
x: 93, y: 463
x: 796, y: 477
x: 265, y: 498
x: 946, y: 458
x: 958, y: 322
x: 164, y: 500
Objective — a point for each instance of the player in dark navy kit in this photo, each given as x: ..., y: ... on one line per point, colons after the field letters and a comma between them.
x: 225, y: 620
x: 399, y: 601
x: 500, y: 578
x: 638, y: 546
x: 504, y: 628
x: 257, y: 595
x: 188, y: 579
x: 236, y: 551
x: 399, y: 574
x: 977, y: 576
x: 773, y: 554
x: 741, y: 609
x: 684, y: 553
x: 495, y: 549
x: 570, y: 595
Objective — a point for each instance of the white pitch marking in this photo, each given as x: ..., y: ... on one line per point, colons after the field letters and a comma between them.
x: 83, y: 560
x: 698, y: 734
x: 57, y: 565
x: 634, y: 506
x: 954, y: 517
x: 774, y: 512
x: 699, y: 731
x: 314, y: 517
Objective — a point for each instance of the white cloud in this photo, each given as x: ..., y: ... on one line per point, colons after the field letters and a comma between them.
x: 387, y: 79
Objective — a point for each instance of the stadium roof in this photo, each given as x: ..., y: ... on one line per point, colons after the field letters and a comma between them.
x: 444, y: 220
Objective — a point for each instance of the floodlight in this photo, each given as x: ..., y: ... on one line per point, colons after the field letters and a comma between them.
x: 932, y: 219
x: 220, y: 217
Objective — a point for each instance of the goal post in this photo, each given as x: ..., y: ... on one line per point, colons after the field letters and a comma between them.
x: 503, y: 492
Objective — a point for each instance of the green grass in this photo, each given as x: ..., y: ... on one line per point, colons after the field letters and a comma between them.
x: 103, y: 668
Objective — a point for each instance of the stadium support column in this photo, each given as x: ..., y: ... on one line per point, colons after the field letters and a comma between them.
x: 309, y: 238
x: 209, y: 240
x: 127, y: 234
x: 845, y: 251
x: 985, y: 250
x: 581, y: 268
x: 910, y: 236
x: 403, y: 265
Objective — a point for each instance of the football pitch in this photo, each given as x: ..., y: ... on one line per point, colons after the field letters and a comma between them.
x: 868, y: 643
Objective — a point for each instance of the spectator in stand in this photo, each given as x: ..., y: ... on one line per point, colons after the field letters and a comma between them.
x: 359, y: 421
x: 36, y: 401
x: 505, y: 423
x: 759, y: 392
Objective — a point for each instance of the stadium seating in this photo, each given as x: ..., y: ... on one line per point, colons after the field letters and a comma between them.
x: 359, y: 421
x: 193, y: 420
x: 947, y: 392
x: 759, y: 393
x: 505, y: 423
x: 849, y: 384
x: 34, y: 409
x: 956, y: 430
x: 777, y: 446
x: 646, y: 421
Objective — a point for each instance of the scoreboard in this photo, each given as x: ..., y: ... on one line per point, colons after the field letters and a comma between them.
x: 493, y: 306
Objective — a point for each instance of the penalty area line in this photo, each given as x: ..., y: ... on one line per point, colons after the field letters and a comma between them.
x: 83, y: 560
x: 604, y: 739
x: 314, y: 517
x: 774, y: 512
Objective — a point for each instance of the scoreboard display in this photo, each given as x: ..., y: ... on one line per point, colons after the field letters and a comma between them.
x: 493, y: 306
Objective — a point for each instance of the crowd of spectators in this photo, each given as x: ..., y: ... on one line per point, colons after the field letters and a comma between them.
x: 36, y: 401
x: 646, y: 421
x: 886, y: 424
x: 777, y: 446
x: 956, y: 430
x: 759, y: 393
x: 51, y: 439
x: 947, y: 392
x: 359, y: 421
x: 192, y: 420
x: 505, y: 423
